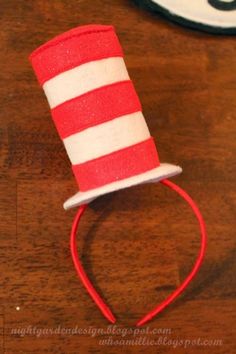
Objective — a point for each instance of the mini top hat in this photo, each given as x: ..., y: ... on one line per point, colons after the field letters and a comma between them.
x: 97, y: 113
x: 98, y: 116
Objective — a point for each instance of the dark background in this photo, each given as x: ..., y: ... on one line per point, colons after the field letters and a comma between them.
x: 137, y: 245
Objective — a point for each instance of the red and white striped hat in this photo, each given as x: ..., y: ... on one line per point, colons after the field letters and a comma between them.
x: 97, y: 112
x: 98, y: 116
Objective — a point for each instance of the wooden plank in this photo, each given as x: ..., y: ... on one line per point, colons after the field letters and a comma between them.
x: 26, y: 330
x: 138, y: 244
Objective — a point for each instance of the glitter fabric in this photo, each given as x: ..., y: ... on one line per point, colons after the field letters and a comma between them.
x: 96, y: 107
x: 116, y: 166
x: 73, y: 48
x: 97, y: 112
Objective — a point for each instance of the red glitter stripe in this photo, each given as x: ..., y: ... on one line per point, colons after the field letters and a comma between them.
x: 73, y: 51
x: 122, y: 164
x: 95, y: 107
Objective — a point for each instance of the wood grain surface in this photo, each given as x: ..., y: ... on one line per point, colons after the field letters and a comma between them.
x: 138, y: 244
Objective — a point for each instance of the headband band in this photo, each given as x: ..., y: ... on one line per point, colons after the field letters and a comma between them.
x: 159, y: 308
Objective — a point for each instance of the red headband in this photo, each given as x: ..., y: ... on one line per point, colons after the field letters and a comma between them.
x: 99, y: 118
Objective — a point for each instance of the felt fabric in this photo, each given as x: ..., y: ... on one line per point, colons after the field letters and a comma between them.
x: 106, y: 138
x: 97, y: 112
x: 164, y: 170
x: 118, y: 165
x: 96, y: 107
x: 62, y: 53
x: 84, y: 78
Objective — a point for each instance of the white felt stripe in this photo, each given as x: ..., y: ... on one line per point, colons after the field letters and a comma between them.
x: 84, y: 78
x: 107, y: 137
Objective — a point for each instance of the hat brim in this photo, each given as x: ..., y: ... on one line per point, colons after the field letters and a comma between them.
x: 155, y: 175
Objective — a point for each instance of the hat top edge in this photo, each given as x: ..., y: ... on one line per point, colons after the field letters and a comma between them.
x: 74, y: 32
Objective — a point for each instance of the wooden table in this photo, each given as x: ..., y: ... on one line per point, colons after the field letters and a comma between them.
x: 137, y: 245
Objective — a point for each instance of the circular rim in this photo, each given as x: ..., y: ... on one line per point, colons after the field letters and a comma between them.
x: 149, y: 4
x: 157, y: 174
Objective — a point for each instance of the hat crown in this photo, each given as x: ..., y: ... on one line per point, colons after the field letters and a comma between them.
x: 94, y: 105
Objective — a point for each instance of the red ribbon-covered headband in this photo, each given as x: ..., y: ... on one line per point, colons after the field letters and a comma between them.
x: 99, y: 118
